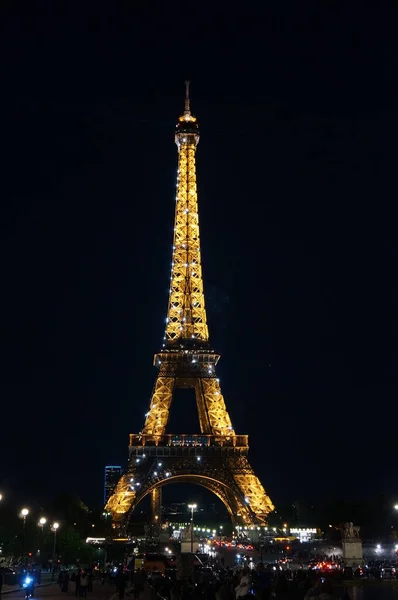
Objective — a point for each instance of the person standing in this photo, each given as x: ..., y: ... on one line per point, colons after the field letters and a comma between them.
x: 121, y: 585
x: 83, y: 584
x: 65, y: 582
x: 77, y: 584
x: 90, y: 581
x: 138, y: 584
x: 243, y: 588
x: 322, y: 591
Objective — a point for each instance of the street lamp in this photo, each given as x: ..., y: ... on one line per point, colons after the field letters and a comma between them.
x: 54, y: 528
x: 24, y: 514
x: 192, y: 507
x: 396, y: 506
x: 220, y: 532
x: 106, y: 514
x: 41, y: 524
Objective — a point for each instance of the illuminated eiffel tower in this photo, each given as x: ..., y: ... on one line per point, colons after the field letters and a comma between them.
x: 217, y: 457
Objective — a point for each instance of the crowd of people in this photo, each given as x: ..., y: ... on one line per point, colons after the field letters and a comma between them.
x: 135, y: 580
x: 262, y: 583
x: 82, y: 579
x: 223, y: 583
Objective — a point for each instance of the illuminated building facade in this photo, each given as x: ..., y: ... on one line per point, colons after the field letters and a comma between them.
x: 217, y: 458
x: 304, y: 534
x: 112, y: 476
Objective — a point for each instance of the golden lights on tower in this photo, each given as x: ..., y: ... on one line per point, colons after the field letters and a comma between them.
x: 186, y: 361
x: 186, y: 315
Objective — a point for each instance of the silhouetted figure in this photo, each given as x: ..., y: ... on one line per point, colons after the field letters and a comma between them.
x: 175, y: 591
x: 121, y: 585
x: 243, y: 588
x: 77, y: 584
x: 65, y: 581
x: 90, y: 582
x: 138, y: 584
x: 83, y: 585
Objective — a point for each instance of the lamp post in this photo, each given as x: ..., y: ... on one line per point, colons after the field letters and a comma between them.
x: 41, y: 524
x: 220, y: 534
x: 192, y: 507
x: 54, y: 528
x: 24, y: 514
x: 106, y: 515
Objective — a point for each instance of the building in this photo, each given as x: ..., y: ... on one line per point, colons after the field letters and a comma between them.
x: 305, y: 534
x: 112, y: 476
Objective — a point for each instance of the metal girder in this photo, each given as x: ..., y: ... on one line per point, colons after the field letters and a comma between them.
x: 159, y: 410
x: 231, y: 479
x: 220, y: 422
x: 156, y: 505
x: 120, y: 502
x: 213, y: 414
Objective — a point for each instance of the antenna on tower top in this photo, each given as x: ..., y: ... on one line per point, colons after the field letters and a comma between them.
x: 187, y: 107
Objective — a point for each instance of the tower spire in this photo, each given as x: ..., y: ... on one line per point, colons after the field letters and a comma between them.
x: 186, y: 315
x: 187, y: 106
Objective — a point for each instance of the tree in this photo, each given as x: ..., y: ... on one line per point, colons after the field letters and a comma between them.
x: 70, y: 509
x: 72, y: 548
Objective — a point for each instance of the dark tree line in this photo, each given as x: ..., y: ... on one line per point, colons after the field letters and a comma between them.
x: 76, y: 523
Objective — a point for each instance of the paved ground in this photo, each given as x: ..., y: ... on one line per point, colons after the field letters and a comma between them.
x: 378, y: 592
x: 53, y: 592
x: 45, y: 580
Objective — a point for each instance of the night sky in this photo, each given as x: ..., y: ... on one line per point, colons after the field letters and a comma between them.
x: 297, y: 189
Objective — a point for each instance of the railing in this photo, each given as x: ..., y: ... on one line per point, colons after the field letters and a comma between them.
x: 190, y: 440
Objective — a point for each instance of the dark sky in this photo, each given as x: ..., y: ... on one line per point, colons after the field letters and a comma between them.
x: 297, y: 191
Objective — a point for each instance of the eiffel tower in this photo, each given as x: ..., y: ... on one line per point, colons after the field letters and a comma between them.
x: 217, y: 457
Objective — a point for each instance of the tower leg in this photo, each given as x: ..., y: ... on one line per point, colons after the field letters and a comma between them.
x: 156, y: 506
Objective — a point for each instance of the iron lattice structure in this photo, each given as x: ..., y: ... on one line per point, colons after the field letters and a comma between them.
x: 217, y: 457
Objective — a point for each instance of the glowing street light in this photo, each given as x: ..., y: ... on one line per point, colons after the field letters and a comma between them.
x: 24, y: 514
x: 54, y: 528
x: 192, y: 507
x: 41, y: 524
x: 396, y: 506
